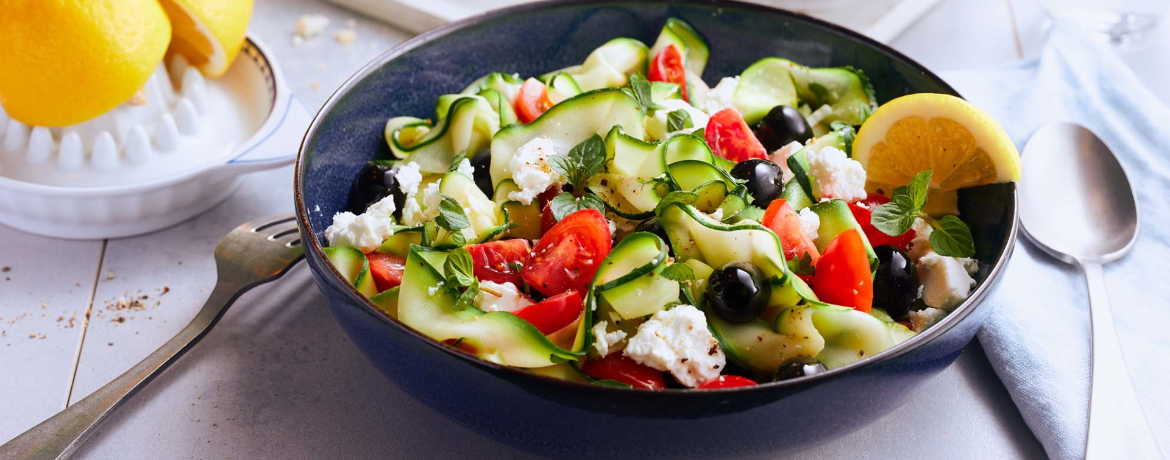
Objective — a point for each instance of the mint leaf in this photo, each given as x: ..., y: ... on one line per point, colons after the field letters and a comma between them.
x: 458, y: 159
x: 640, y: 87
x: 952, y: 238
x: 803, y: 266
x: 678, y: 272
x: 800, y: 175
x: 466, y: 299
x: 459, y: 269
x: 565, y: 204
x: 451, y: 215
x: 917, y: 189
x: 583, y: 161
x: 896, y: 217
x: 678, y: 120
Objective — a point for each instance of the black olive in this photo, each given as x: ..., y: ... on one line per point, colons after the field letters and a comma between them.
x: 377, y: 180
x: 655, y: 227
x: 482, y: 163
x: 895, y: 285
x: 796, y: 368
x: 764, y: 180
x: 783, y: 124
x: 738, y: 292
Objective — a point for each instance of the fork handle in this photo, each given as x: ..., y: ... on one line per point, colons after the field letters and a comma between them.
x: 61, y: 434
x: 1117, y: 425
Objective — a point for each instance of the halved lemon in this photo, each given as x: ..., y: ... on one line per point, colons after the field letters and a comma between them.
x: 208, y: 33
x: 963, y: 145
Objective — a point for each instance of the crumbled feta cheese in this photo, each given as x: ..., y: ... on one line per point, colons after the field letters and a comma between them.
x: 433, y: 289
x: 780, y: 157
x: 310, y: 25
x: 719, y: 97
x: 363, y: 232
x: 678, y: 341
x: 408, y: 178
x: 945, y: 280
x: 810, y: 222
x: 922, y: 319
x: 509, y: 299
x: 837, y: 175
x: 412, y: 213
x: 718, y: 214
x: 920, y: 245
x: 612, y: 228
x: 531, y: 171
x: 607, y: 342
x: 466, y: 168
x: 345, y: 36
x: 656, y: 125
x: 812, y: 369
x: 431, y: 200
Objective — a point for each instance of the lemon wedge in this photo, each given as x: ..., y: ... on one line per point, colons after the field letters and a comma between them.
x: 963, y: 145
x: 208, y: 33
x: 67, y: 62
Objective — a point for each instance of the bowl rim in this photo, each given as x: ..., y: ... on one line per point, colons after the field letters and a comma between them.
x: 315, y: 250
x: 281, y: 103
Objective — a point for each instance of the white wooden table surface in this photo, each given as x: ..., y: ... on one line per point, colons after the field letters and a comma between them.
x: 277, y: 378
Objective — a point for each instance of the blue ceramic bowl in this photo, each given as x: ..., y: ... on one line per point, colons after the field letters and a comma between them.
x: 568, y: 420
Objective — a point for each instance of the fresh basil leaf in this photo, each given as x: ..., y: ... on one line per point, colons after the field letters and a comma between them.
x: 592, y: 157
x: 641, y: 90
x: 800, y: 174
x: 466, y: 299
x: 459, y: 269
x: 917, y: 189
x: 458, y: 238
x: 896, y: 217
x: 462, y: 155
x: 700, y: 133
x: 678, y: 120
x: 678, y: 272
x: 565, y: 204
x: 952, y: 238
x: 451, y: 215
x: 564, y: 165
x: 803, y: 266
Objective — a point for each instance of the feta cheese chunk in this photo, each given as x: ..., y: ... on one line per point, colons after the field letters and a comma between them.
x: 945, y: 280
x: 408, y: 178
x: 780, y: 157
x: 837, y: 175
x: 311, y: 25
x: 810, y: 222
x: 363, y: 232
x: 657, y: 124
x: 719, y: 97
x: 678, y: 341
x: 607, y: 342
x: 531, y: 171
x: 922, y: 319
x: 466, y: 168
x: 509, y: 297
x: 920, y: 245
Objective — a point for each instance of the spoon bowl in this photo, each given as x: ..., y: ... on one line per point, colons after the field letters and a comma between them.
x: 1076, y: 203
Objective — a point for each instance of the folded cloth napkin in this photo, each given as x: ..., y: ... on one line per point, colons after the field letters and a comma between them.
x: 1037, y: 336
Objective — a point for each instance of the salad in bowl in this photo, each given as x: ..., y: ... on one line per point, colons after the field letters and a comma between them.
x: 621, y: 222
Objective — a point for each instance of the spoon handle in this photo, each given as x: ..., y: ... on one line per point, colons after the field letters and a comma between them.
x: 1117, y: 424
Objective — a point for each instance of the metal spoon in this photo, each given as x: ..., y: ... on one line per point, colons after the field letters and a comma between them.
x: 1077, y: 205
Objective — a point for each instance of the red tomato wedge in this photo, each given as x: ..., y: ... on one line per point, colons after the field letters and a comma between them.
x: 668, y: 67
x: 547, y: 219
x: 875, y: 236
x: 843, y: 276
x: 731, y: 138
x: 619, y: 368
x: 727, y: 381
x: 568, y: 255
x: 495, y: 261
x: 532, y: 100
x: 554, y: 313
x: 782, y: 219
x: 386, y: 269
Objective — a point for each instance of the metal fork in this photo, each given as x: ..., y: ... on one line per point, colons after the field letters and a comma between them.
x: 253, y: 254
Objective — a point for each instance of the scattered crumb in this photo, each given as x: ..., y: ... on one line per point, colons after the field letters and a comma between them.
x: 315, y: 85
x: 166, y: 289
x: 345, y: 36
x: 60, y: 318
x: 32, y: 335
x: 311, y: 25
x: 109, y: 276
x: 119, y: 319
x: 5, y: 269
x: 214, y: 424
x: 351, y: 23
x: 297, y: 40
x: 42, y: 337
x: 137, y: 99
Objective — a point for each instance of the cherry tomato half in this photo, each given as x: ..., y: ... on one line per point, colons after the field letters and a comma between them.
x: 875, y: 236
x: 532, y: 100
x: 731, y: 138
x: 668, y: 67
x: 727, y: 381
x: 554, y: 313
x: 386, y: 269
x: 496, y: 261
x: 783, y: 220
x: 842, y: 275
x: 568, y: 255
x: 620, y: 368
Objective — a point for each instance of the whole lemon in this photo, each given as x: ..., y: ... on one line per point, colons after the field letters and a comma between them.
x: 67, y: 61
